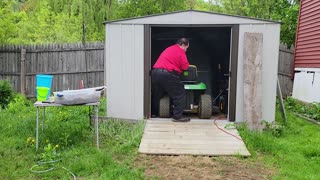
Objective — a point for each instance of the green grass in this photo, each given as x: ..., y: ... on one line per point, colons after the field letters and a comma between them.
x: 295, y: 153
x: 71, y: 139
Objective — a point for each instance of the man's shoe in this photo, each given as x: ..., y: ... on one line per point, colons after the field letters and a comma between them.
x: 183, y: 119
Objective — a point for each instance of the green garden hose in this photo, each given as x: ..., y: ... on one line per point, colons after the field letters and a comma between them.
x: 50, y: 169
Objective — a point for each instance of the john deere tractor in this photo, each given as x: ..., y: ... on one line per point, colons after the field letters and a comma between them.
x: 197, y: 101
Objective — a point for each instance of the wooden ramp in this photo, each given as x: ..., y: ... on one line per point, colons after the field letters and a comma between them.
x: 198, y: 137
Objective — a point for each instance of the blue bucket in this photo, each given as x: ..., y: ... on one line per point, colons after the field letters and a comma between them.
x: 44, y: 81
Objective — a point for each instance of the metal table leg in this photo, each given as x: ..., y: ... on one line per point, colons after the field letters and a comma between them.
x: 96, y: 109
x: 43, y: 117
x: 37, y: 130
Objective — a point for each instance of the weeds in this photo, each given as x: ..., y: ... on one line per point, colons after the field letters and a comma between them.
x: 311, y: 110
x: 275, y: 128
x: 50, y: 153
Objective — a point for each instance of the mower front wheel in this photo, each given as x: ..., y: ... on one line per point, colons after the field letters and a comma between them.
x: 205, y: 106
x: 164, y: 107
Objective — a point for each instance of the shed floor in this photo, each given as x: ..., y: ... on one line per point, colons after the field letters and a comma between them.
x: 197, y: 137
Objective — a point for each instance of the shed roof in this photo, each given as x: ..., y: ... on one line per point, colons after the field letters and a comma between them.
x: 192, y: 17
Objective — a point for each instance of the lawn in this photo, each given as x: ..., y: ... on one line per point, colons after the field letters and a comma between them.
x: 294, y: 150
x: 291, y: 152
x: 68, y: 139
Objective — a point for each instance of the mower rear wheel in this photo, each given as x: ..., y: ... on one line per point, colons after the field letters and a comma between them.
x: 164, y: 107
x: 205, y: 106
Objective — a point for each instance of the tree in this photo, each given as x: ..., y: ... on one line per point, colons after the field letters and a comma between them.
x: 9, y: 17
x: 60, y: 21
x: 209, y: 5
x: 287, y: 12
x: 283, y: 10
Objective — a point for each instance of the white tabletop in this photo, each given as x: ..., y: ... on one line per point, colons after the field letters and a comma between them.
x: 47, y: 104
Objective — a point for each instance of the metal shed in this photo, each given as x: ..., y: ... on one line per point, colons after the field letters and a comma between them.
x: 132, y: 46
x: 307, y: 57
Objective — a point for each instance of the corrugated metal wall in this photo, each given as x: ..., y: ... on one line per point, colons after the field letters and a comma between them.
x: 124, y: 71
x: 307, y: 52
x: 271, y: 33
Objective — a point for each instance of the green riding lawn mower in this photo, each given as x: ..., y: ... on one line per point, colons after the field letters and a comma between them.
x: 197, y: 101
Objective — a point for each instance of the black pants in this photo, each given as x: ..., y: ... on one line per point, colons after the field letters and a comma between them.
x: 164, y: 82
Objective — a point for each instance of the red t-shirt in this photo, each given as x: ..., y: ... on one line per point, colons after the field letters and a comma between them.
x: 172, y: 59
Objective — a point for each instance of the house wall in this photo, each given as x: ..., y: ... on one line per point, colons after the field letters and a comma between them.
x: 124, y: 71
x: 306, y: 85
x: 271, y: 33
x: 308, y: 35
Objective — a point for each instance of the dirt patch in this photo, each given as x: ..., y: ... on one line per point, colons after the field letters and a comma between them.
x: 198, y: 167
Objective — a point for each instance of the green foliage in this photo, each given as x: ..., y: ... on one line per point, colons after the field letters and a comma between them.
x: 285, y: 11
x: 208, y: 5
x: 311, y: 110
x: 61, y: 21
x: 135, y: 8
x: 9, y: 17
x: 275, y: 129
x: 50, y: 153
x: 19, y: 104
x: 45, y: 21
x: 6, y: 93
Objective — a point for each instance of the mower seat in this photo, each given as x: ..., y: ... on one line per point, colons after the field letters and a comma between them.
x: 190, y: 76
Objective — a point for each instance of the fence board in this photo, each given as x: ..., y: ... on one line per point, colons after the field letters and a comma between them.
x: 285, y: 69
x: 10, y: 65
x: 66, y: 62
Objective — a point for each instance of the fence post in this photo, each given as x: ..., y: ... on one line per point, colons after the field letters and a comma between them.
x: 23, y: 71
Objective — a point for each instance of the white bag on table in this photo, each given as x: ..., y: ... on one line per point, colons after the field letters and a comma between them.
x: 81, y: 96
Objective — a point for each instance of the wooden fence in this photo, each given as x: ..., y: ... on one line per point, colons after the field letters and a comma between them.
x: 70, y: 63
x: 285, y: 69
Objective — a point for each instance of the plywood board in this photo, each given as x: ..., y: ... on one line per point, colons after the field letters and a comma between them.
x: 252, y: 88
x: 198, y: 137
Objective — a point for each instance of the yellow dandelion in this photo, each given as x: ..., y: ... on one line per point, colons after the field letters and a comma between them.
x: 33, y: 140
x: 28, y: 139
x: 57, y: 146
x: 47, y: 140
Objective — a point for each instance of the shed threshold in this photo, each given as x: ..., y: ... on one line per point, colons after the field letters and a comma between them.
x: 197, y: 137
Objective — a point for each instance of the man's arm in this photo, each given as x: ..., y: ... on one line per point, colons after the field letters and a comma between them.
x: 184, y: 62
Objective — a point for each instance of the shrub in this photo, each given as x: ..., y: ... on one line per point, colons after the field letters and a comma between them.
x: 310, y: 110
x: 19, y: 104
x: 6, y: 93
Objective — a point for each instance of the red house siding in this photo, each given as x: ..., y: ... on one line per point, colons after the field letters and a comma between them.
x: 307, y: 51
